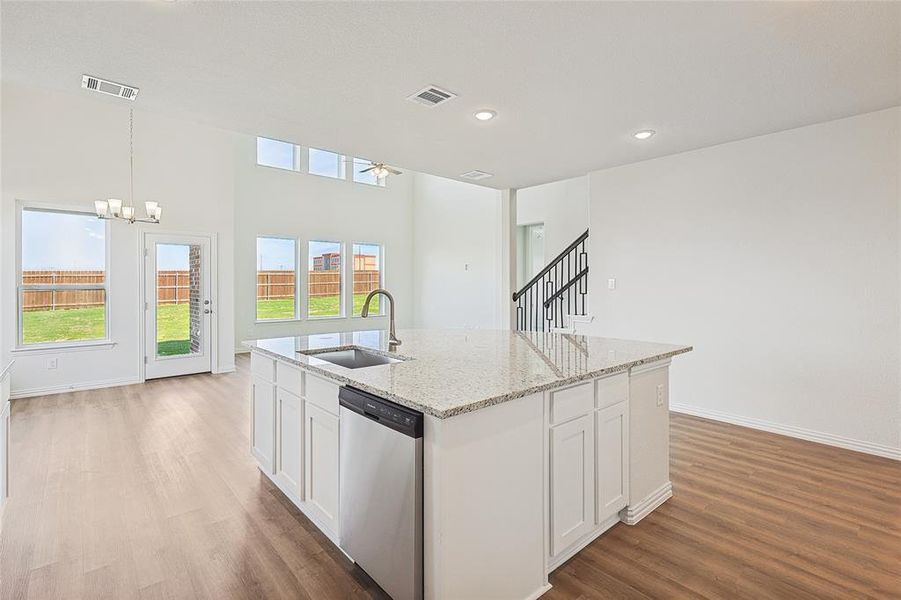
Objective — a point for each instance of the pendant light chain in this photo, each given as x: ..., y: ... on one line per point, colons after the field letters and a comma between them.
x: 131, y: 155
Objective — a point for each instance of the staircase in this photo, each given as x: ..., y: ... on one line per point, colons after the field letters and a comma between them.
x: 557, y: 294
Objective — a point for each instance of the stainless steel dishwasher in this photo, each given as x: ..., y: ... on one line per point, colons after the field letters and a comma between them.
x: 381, y: 491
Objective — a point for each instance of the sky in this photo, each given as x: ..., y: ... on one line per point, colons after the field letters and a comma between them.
x: 65, y: 241
x: 277, y: 254
x: 172, y: 257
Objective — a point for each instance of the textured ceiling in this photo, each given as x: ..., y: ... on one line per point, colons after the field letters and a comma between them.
x: 570, y: 81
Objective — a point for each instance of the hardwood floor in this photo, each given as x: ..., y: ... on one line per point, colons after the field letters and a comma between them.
x: 149, y: 492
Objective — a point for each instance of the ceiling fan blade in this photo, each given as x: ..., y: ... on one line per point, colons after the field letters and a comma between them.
x: 393, y: 171
x: 367, y: 170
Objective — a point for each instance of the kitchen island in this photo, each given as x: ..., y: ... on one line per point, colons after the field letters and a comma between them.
x: 533, y: 443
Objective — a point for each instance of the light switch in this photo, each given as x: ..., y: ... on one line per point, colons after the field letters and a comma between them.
x: 660, y: 394
x: 611, y: 284
x: 52, y: 363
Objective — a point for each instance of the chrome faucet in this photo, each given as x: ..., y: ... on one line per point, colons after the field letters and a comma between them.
x: 392, y: 338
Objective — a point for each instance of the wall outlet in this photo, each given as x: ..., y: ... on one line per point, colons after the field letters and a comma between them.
x: 660, y: 395
x: 52, y: 363
x: 611, y: 284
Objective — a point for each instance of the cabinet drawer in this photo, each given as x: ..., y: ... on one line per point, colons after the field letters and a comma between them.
x: 289, y: 378
x: 262, y: 367
x: 612, y: 390
x: 322, y: 393
x: 572, y: 402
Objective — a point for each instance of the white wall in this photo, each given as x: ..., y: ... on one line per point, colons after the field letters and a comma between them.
x: 70, y: 149
x: 563, y: 208
x: 309, y: 207
x: 456, y: 254
x: 777, y: 257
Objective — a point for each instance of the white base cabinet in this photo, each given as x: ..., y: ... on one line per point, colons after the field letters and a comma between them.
x: 295, y: 437
x: 289, y: 457
x: 262, y: 397
x: 588, y: 464
x: 320, y: 434
x: 572, y: 464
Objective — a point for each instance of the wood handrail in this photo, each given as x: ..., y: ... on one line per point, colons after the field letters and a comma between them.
x: 568, y: 285
x: 551, y: 265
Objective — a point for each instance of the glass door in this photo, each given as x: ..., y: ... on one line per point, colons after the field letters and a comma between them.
x: 177, y: 305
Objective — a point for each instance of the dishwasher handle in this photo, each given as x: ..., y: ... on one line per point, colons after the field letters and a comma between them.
x: 384, y: 412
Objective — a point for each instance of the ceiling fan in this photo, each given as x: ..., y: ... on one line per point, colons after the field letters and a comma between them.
x: 380, y: 170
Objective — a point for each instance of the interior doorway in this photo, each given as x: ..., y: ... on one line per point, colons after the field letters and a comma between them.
x: 530, y: 252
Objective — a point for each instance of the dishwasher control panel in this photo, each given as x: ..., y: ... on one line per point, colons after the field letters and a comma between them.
x: 400, y: 418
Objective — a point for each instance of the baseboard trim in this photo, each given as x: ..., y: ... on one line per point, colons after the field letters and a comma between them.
x: 539, y: 592
x: 791, y: 431
x: 79, y: 387
x: 634, y: 513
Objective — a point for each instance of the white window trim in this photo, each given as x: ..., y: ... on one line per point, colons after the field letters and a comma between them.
x: 297, y: 155
x: 342, y: 163
x: 297, y: 278
x: 342, y: 302
x: 382, y: 263
x: 21, y: 346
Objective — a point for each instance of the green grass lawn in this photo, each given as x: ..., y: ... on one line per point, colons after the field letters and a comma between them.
x: 173, y: 331
x: 320, y: 306
x: 78, y: 324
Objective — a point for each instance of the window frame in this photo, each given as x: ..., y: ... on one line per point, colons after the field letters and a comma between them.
x: 353, y: 174
x: 297, y: 158
x: 381, y: 248
x: 21, y: 287
x: 342, y: 302
x: 342, y: 164
x: 297, y: 278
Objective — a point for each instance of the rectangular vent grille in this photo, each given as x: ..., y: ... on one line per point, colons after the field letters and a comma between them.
x: 110, y: 88
x: 476, y: 175
x: 432, y: 96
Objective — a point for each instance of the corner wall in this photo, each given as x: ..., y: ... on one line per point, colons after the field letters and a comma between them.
x: 456, y: 258
x: 777, y: 258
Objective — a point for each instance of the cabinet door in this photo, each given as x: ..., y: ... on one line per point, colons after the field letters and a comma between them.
x: 572, y: 481
x: 262, y: 396
x: 612, y: 433
x: 288, y: 457
x: 321, y: 465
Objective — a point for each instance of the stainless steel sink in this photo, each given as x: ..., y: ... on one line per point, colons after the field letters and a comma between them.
x: 354, y: 358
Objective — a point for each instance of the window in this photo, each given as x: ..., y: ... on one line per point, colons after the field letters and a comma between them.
x: 367, y: 277
x: 325, y: 280
x: 278, y: 154
x: 361, y: 164
x: 62, y: 285
x: 276, y: 278
x: 326, y: 164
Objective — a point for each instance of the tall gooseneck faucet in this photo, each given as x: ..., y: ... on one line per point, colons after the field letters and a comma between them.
x: 392, y: 338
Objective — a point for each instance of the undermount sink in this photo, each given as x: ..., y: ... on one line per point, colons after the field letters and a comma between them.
x: 354, y: 358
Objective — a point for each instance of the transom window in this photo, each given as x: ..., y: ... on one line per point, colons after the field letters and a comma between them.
x: 325, y: 163
x: 63, y: 293
x: 360, y: 165
x: 278, y: 154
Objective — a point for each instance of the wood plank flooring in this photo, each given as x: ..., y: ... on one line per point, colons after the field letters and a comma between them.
x: 149, y: 492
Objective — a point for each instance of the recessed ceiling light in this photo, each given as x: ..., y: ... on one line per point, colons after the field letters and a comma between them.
x: 643, y: 134
x: 485, y: 115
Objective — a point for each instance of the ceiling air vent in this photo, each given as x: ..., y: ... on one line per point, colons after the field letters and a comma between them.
x: 475, y: 175
x: 95, y: 84
x: 432, y: 96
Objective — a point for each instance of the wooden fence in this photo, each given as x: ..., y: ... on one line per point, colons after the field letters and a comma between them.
x: 173, y: 287
x: 280, y: 284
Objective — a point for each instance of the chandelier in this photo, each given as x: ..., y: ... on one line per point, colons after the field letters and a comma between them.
x: 114, y: 208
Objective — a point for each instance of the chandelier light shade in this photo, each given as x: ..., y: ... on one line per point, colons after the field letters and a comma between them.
x: 114, y: 208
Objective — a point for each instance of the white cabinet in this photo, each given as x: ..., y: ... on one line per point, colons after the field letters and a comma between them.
x: 320, y: 433
x: 288, y: 441
x: 612, y: 434
x: 262, y: 398
x: 572, y: 490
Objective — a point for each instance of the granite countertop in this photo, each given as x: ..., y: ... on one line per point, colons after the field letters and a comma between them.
x: 450, y: 372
